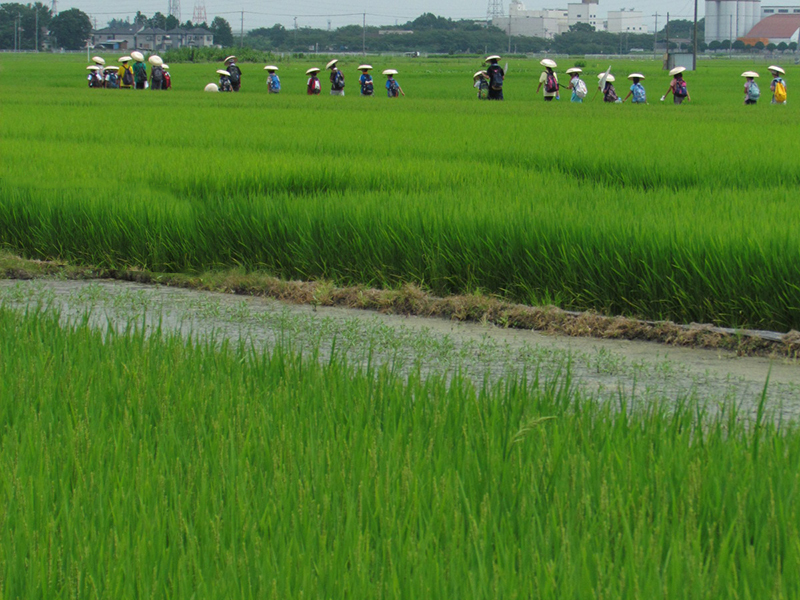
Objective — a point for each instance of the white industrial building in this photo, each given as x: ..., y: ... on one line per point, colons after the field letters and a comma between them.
x: 548, y: 22
x: 730, y: 19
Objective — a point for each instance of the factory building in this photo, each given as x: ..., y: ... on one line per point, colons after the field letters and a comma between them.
x: 548, y: 22
x: 730, y: 19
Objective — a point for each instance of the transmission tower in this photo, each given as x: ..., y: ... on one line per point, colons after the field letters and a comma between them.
x: 495, y: 9
x: 199, y: 14
x: 175, y: 9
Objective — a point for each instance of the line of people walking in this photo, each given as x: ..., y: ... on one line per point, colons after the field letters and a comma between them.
x: 127, y: 76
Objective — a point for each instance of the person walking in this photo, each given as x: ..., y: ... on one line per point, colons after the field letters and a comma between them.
x: 235, y: 73
x: 313, y: 86
x: 496, y: 76
x: 548, y: 79
x: 224, y: 80
x: 273, y: 81
x: 778, y: 85
x: 139, y: 70
x: 481, y: 84
x: 156, y: 72
x: 637, y: 89
x: 367, y: 85
x: 167, y: 78
x: 337, y: 78
x: 393, y: 88
x: 576, y: 85
x: 751, y: 91
x: 677, y: 87
x: 125, y: 73
x: 609, y: 93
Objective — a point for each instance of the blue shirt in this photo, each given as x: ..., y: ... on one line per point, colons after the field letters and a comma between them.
x: 389, y: 88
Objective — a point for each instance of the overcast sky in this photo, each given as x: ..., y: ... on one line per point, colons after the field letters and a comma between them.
x: 316, y: 13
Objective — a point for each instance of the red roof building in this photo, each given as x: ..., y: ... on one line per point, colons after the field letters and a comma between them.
x: 774, y: 29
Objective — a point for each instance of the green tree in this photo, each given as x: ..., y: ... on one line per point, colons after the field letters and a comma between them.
x: 782, y: 47
x: 715, y: 45
x: 772, y: 47
x: 71, y: 28
x: 158, y: 21
x: 171, y: 22
x: 759, y: 45
x: 223, y: 34
x: 738, y: 45
x: 18, y: 23
x: 584, y: 27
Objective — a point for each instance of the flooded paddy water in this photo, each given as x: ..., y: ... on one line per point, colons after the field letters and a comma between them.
x: 639, y: 372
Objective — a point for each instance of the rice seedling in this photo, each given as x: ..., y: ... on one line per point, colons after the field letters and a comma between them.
x: 653, y: 211
x: 146, y: 465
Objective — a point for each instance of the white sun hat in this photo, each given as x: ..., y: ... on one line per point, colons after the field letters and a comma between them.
x: 390, y: 72
x: 546, y: 62
x: 749, y: 74
x: 231, y: 57
x: 137, y: 56
x: 111, y: 68
x: 572, y: 70
x: 364, y: 67
x: 332, y: 63
x: 635, y: 76
x: 677, y: 70
x: 479, y: 73
x: 92, y: 68
x: 609, y: 77
x: 124, y: 59
x: 492, y: 57
x: 777, y: 68
x: 211, y: 87
x: 156, y: 61
x: 270, y: 68
x: 223, y: 72
x: 99, y: 61
x: 165, y: 67
x: 312, y: 70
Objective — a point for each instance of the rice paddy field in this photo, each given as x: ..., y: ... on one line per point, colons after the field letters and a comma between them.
x: 135, y: 461
x: 663, y: 212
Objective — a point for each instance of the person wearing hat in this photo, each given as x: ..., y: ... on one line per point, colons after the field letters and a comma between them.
x: 481, y: 84
x: 637, y: 89
x: 95, y: 78
x: 139, y: 71
x: 367, y: 86
x: 156, y: 73
x: 224, y: 80
x: 609, y: 93
x: 778, y: 85
x: 337, y: 78
x: 111, y: 79
x: 677, y: 87
x: 548, y: 79
x: 167, y: 78
x: 235, y: 73
x: 313, y: 86
x: 496, y: 77
x: 751, y: 91
x: 125, y: 73
x: 273, y: 81
x: 577, y: 85
x: 393, y: 88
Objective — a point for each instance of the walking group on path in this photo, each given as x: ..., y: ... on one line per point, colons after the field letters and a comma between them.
x: 130, y: 77
x: 489, y: 83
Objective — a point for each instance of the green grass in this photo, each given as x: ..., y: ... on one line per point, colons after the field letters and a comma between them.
x: 687, y: 213
x: 137, y: 465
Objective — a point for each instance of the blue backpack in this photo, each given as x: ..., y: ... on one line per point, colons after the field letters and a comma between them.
x: 394, y: 88
x: 274, y: 83
x: 753, y: 93
x: 639, y: 95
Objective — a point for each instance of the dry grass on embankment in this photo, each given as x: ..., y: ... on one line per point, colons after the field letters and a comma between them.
x: 411, y: 300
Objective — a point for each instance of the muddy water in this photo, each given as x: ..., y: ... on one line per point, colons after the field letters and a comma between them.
x: 639, y: 371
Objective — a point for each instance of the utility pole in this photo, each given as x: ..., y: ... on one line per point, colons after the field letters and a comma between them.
x: 509, y: 33
x: 364, y: 34
x: 667, y: 33
x: 295, y: 33
x: 241, y: 33
x: 655, y: 40
x: 730, y: 36
x: 694, y: 49
x: 36, y: 12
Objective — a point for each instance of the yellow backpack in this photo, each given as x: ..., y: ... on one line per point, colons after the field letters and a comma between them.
x: 780, y: 92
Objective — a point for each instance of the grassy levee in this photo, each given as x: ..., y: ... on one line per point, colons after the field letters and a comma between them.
x: 138, y: 465
x: 685, y: 213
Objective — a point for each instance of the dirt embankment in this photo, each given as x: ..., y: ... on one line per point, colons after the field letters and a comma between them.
x: 412, y: 301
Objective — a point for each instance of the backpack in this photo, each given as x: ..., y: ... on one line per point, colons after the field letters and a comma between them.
x: 236, y: 74
x: 167, y: 81
x: 780, y: 91
x: 140, y: 72
x: 483, y: 89
x: 367, y: 88
x: 496, y: 79
x: 753, y: 92
x: 313, y: 86
x: 393, y: 88
x: 639, y: 95
x: 610, y: 94
x: 580, y: 89
x: 127, y: 76
x: 157, y: 73
x: 274, y: 83
x: 338, y: 80
x: 550, y: 84
x: 680, y: 89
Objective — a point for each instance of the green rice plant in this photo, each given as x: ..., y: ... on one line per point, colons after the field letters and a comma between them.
x: 663, y: 212
x: 134, y: 464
